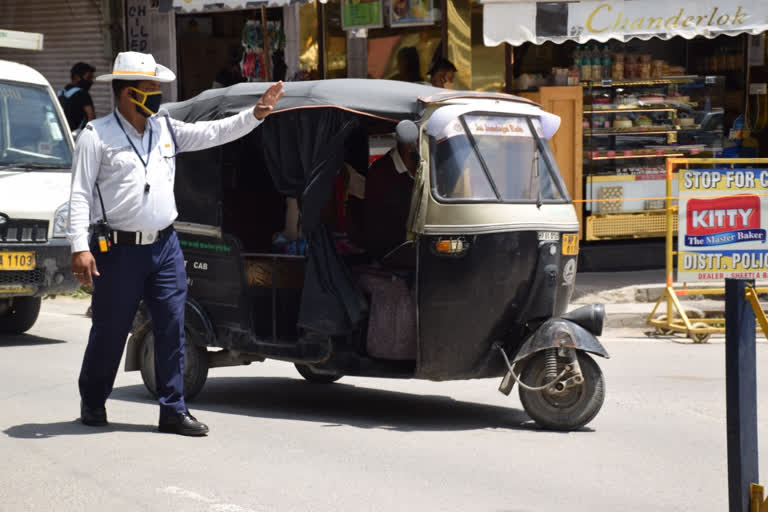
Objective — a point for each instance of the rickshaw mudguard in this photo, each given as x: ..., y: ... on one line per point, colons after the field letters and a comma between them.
x: 196, y: 323
x: 560, y: 333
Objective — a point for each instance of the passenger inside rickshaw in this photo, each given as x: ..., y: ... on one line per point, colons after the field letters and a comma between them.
x: 388, y: 189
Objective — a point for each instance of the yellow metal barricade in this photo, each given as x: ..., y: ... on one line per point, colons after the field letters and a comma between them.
x: 676, y: 319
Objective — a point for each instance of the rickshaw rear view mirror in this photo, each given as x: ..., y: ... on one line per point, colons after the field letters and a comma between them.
x: 407, y: 133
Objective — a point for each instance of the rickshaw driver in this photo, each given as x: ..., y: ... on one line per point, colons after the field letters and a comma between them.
x: 388, y: 188
x: 123, y: 174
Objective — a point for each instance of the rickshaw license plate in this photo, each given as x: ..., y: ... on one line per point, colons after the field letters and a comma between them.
x: 570, y: 244
x: 17, y: 260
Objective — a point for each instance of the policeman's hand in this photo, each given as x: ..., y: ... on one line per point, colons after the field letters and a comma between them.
x: 268, y: 101
x: 84, y: 267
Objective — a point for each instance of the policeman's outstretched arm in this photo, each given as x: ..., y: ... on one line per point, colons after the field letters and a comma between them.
x: 206, y: 134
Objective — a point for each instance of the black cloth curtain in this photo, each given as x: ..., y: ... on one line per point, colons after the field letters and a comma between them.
x: 304, y: 151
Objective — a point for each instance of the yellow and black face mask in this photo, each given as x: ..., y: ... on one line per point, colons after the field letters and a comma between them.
x: 147, y: 102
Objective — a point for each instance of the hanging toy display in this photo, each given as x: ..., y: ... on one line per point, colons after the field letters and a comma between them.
x: 253, y: 63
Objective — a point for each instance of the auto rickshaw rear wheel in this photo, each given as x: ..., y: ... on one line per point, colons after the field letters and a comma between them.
x: 195, y: 366
x: 568, y: 410
x: 317, y: 378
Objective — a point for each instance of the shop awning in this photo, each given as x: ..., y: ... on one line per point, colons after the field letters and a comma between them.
x: 520, y: 21
x: 218, y: 5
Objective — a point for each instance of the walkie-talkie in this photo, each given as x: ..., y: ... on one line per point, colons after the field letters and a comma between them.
x: 101, y: 229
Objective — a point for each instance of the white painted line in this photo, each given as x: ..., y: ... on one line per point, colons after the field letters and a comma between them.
x: 61, y: 315
x: 178, y: 491
x: 214, y: 507
x: 229, y: 508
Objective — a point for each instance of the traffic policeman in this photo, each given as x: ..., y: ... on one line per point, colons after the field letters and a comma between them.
x: 121, y: 214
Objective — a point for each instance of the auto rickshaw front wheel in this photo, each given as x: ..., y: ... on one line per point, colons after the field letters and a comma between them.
x: 567, y: 410
x: 311, y: 375
x: 195, y: 366
x: 19, y: 315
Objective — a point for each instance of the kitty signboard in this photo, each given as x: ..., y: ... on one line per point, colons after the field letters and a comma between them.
x: 723, y: 219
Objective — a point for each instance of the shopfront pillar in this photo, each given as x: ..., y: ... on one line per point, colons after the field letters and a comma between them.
x: 357, y: 54
x: 292, y: 44
x: 458, y: 18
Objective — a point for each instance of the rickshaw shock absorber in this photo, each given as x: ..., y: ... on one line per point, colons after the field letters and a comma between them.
x: 550, y: 364
x: 549, y: 385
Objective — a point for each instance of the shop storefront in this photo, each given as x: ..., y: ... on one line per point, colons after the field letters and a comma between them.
x: 635, y: 82
x: 397, y: 39
x: 73, y: 31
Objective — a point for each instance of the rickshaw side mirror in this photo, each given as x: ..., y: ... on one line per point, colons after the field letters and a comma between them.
x: 407, y: 133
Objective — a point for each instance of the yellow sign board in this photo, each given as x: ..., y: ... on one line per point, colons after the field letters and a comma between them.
x: 570, y: 244
x: 756, y: 495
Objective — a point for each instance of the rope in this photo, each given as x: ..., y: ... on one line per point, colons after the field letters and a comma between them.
x: 523, y: 385
x: 663, y: 197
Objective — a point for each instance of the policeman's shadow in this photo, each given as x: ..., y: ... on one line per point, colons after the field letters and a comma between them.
x: 27, y: 340
x: 70, y: 428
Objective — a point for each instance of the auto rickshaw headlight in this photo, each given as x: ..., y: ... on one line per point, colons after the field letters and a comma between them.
x: 451, y: 246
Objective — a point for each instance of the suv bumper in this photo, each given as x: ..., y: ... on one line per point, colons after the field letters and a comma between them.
x: 52, y: 274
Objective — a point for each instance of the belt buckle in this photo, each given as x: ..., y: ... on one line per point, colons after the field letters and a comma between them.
x: 149, y: 237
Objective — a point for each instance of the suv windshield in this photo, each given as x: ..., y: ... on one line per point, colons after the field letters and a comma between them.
x: 31, y: 134
x: 496, y: 158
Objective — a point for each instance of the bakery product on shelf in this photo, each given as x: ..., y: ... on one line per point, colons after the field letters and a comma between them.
x: 651, y: 100
x: 685, y: 121
x: 622, y: 123
x: 643, y: 121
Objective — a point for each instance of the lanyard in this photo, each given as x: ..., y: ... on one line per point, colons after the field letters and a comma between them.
x: 149, y: 148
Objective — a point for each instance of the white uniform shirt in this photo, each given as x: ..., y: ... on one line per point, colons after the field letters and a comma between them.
x: 104, y: 155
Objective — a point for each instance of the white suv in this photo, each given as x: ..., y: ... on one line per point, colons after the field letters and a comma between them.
x: 35, y: 165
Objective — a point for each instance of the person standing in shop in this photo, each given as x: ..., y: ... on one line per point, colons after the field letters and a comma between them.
x: 442, y: 72
x: 75, y: 99
x: 121, y: 214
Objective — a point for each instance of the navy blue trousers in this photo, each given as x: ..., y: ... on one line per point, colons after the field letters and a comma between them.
x: 130, y: 273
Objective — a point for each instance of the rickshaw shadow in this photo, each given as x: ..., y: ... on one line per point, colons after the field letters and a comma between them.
x: 344, y: 404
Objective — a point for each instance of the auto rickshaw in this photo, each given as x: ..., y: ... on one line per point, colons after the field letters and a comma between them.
x: 478, y: 288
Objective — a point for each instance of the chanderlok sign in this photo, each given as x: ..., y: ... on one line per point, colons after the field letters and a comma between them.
x: 722, y: 224
x: 518, y: 21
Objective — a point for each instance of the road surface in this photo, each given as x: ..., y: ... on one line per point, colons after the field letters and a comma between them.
x: 279, y: 443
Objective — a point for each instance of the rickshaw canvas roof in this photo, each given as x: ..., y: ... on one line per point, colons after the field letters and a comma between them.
x: 385, y: 99
x: 440, y: 123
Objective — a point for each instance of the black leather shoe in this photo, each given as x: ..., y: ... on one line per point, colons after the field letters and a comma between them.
x: 183, y: 424
x: 93, y: 416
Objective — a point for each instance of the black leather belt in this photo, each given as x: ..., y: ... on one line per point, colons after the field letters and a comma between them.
x: 140, y: 237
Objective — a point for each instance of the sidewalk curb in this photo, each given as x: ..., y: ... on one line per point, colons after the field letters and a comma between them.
x: 644, y: 294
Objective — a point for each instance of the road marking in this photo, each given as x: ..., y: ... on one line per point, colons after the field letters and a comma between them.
x: 221, y: 507
x: 61, y: 315
x: 178, y: 491
x: 214, y: 506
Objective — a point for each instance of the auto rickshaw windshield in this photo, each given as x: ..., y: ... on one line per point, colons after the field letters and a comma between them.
x: 493, y: 158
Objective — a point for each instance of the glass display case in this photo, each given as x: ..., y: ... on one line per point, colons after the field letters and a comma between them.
x: 630, y: 128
